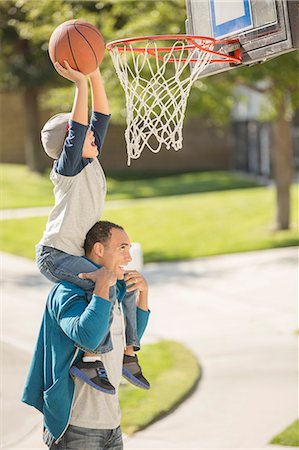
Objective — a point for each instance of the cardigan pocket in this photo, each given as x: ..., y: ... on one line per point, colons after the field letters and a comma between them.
x: 57, y: 405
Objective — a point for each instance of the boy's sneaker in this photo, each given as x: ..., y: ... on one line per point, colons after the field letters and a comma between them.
x: 133, y: 373
x: 94, y: 374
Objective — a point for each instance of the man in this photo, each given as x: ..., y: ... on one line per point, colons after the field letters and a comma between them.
x: 77, y: 416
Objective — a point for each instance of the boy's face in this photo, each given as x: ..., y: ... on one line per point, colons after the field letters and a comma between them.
x: 117, y: 252
x: 90, y: 150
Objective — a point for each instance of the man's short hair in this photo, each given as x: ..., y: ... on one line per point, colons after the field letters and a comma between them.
x: 100, y: 232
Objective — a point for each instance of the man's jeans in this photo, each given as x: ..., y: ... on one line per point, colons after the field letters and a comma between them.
x: 77, y: 438
x: 57, y: 266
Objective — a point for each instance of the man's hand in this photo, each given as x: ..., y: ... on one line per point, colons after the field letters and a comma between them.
x: 69, y: 73
x: 103, y: 275
x: 134, y: 280
x: 103, y: 278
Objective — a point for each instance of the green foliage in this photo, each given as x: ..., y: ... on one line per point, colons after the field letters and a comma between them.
x: 212, y: 98
x: 26, y: 26
x: 24, y: 59
x: 277, y: 78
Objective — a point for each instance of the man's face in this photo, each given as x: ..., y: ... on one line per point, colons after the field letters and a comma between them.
x: 117, y: 251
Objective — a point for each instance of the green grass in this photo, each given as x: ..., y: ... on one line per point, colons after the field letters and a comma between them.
x: 146, y: 186
x: 22, y: 188
x: 173, y: 371
x: 290, y: 436
x: 181, y: 227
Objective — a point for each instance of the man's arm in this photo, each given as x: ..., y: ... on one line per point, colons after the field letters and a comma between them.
x: 85, y: 324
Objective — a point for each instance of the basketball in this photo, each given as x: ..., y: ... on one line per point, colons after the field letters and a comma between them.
x: 79, y: 43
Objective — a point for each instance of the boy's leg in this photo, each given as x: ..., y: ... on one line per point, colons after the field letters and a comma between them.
x: 93, y: 373
x: 59, y: 266
x: 131, y: 368
x: 91, y: 369
x: 129, y: 307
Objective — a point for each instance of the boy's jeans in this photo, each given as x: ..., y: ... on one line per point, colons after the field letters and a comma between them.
x: 57, y: 265
x: 77, y: 438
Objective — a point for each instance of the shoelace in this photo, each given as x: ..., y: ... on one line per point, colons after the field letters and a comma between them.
x: 102, y: 373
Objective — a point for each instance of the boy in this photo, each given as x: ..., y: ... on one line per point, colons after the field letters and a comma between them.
x: 79, y: 190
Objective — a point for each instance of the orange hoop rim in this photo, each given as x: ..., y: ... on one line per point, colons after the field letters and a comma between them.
x: 121, y: 45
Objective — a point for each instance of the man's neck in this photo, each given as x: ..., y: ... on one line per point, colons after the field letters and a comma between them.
x: 93, y: 261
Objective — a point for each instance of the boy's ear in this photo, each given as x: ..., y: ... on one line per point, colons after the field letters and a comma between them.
x: 98, y: 248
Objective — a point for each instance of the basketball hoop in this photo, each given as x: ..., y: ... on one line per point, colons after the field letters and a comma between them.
x: 157, y: 79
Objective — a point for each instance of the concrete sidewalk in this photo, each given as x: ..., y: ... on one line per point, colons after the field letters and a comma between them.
x: 238, y: 313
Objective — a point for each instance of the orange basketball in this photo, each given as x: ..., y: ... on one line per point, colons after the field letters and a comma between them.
x: 79, y: 43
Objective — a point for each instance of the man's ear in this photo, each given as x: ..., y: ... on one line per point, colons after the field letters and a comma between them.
x: 98, y: 249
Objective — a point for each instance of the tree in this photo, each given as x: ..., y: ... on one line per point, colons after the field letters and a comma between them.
x: 26, y: 26
x: 280, y: 76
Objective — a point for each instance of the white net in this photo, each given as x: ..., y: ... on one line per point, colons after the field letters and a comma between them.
x: 157, y: 87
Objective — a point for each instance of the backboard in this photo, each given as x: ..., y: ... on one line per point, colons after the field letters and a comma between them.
x: 265, y: 28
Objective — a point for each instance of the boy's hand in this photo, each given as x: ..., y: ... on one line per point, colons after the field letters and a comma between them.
x: 69, y: 73
x: 134, y: 280
x: 95, y: 74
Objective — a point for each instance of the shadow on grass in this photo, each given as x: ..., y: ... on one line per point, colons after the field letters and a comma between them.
x: 286, y: 242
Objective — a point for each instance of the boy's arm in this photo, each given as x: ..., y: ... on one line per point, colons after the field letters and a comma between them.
x: 80, y: 105
x: 70, y: 161
x: 100, y: 109
x: 98, y: 93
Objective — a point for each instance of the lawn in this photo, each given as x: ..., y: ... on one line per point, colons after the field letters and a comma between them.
x: 172, y: 370
x: 289, y: 437
x: 23, y: 189
x: 182, y: 227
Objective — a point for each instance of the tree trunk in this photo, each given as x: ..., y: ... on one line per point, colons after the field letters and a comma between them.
x: 33, y: 148
x: 282, y: 158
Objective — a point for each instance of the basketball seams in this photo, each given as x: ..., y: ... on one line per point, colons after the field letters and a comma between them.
x: 87, y: 41
x: 93, y: 28
x: 70, y: 45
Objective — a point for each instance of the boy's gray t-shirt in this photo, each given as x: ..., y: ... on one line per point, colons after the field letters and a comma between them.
x: 93, y: 408
x: 79, y: 204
